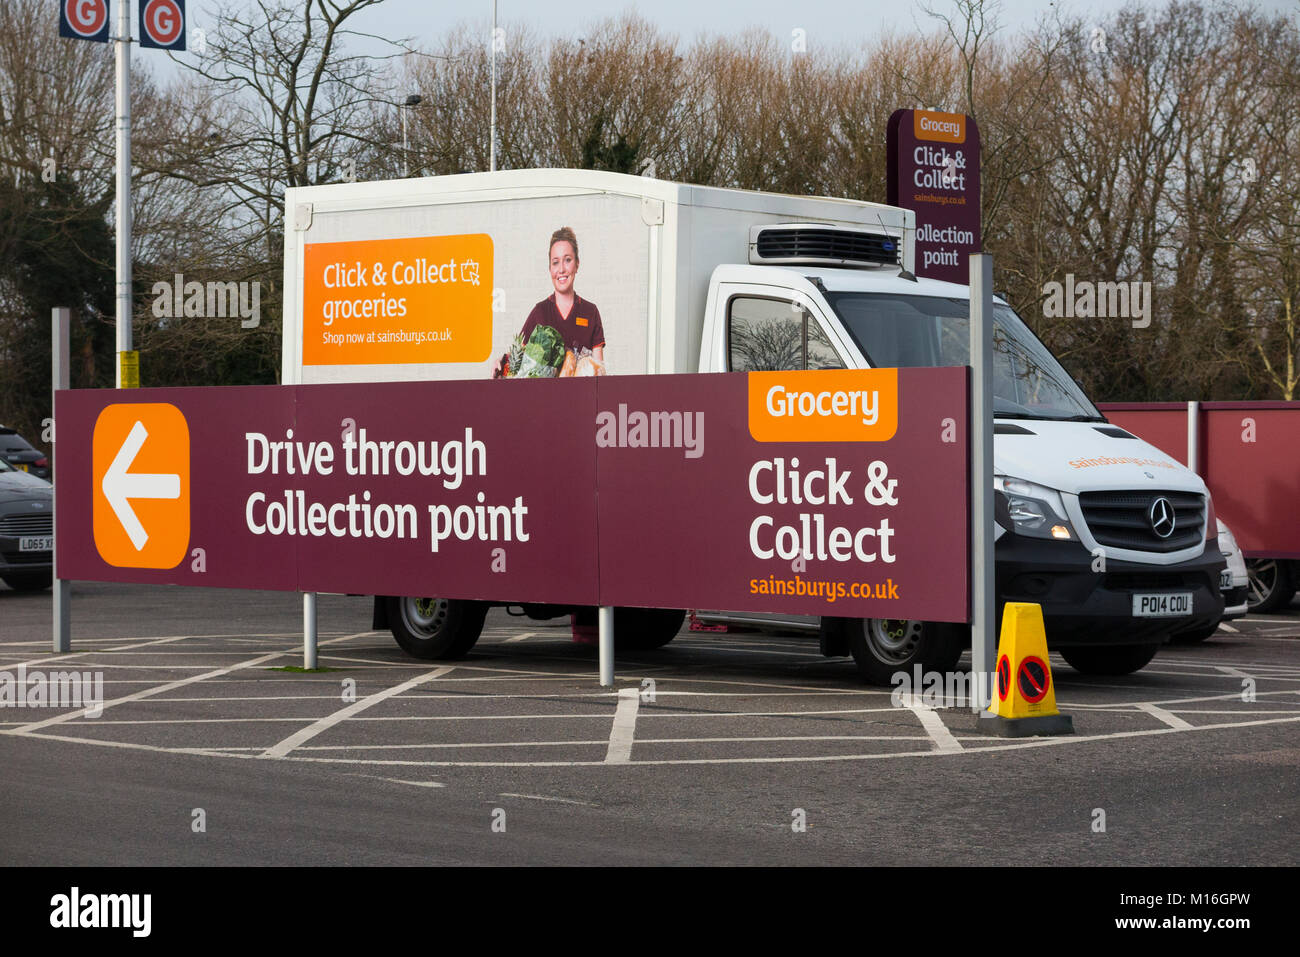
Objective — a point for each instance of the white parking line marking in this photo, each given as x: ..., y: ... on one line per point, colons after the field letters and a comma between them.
x: 624, y: 729
x: 933, y: 724
x: 458, y: 744
x: 522, y: 636
x: 764, y: 714
x: 1224, y: 626
x: 1233, y: 711
x: 324, y: 724
x: 146, y: 693
x: 545, y: 797
x: 1235, y: 672
x: 798, y: 759
x: 1160, y: 714
x: 90, y: 651
x: 418, y: 784
x: 589, y: 743
x: 794, y: 737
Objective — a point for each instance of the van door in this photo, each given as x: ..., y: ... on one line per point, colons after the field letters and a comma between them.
x: 768, y: 328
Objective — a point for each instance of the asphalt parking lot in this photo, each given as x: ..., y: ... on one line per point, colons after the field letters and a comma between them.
x: 714, y: 749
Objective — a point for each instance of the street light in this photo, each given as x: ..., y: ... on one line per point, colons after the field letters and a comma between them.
x: 492, y: 148
x: 412, y: 100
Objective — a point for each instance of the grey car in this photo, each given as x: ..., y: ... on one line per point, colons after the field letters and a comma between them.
x: 21, y: 454
x: 26, y: 529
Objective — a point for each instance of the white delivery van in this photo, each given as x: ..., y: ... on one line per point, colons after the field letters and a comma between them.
x: 1102, y: 530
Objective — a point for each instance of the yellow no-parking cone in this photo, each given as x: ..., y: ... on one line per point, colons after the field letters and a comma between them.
x: 1024, y: 700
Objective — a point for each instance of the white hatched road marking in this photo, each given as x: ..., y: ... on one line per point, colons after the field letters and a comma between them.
x: 159, y: 689
x: 1160, y: 714
x: 939, y: 739
x: 327, y: 722
x: 624, y: 729
x: 418, y: 784
x: 146, y: 693
x: 546, y: 797
x: 932, y: 721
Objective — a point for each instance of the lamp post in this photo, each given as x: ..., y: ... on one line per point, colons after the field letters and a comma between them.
x: 412, y: 100
x: 492, y: 148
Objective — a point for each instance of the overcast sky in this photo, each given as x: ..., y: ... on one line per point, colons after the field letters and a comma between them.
x: 834, y: 22
x: 838, y: 24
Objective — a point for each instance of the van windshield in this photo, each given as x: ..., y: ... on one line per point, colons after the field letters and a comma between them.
x: 904, y: 331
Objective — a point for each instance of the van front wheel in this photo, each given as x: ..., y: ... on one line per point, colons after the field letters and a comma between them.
x: 434, y: 628
x: 881, y: 647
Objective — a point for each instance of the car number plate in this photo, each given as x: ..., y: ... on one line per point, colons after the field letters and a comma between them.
x: 21, y: 466
x: 1162, y: 606
x: 1225, y: 580
x: 43, y: 543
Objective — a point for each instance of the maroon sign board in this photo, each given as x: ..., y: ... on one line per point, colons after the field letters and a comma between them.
x: 829, y: 493
x: 1247, y: 456
x: 934, y: 170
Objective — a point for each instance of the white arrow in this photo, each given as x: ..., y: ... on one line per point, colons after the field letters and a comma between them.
x: 119, y: 485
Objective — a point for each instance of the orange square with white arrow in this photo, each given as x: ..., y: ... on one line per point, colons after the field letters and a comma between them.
x: 141, y: 472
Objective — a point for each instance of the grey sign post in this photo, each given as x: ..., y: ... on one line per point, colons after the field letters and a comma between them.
x: 606, y: 639
x: 309, y: 630
x: 983, y: 607
x: 62, y: 630
x: 123, y: 40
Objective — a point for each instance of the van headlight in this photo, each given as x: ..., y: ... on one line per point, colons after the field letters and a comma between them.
x: 1036, y: 511
x: 1227, y: 543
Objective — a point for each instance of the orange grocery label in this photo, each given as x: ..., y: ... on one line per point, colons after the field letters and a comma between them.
x: 385, y: 301
x: 840, y: 405
x: 943, y: 127
x: 140, y: 456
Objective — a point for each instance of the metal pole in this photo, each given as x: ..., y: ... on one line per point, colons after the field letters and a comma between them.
x: 492, y: 150
x: 983, y: 601
x: 123, y: 183
x: 62, y: 625
x: 606, y: 619
x: 406, y: 150
x: 1194, y: 436
x: 309, y: 630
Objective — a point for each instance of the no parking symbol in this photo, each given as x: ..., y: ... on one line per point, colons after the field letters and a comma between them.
x: 1033, y: 678
x: 162, y: 24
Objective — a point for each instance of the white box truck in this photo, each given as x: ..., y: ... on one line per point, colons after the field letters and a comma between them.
x: 635, y: 275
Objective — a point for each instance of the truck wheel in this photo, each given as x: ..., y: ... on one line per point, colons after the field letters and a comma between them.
x: 435, y: 628
x: 883, y: 646
x: 641, y: 629
x: 1109, y: 659
x: 1271, y: 584
x: 29, y: 581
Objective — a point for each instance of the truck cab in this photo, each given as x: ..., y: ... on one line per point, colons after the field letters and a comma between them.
x: 1115, y: 540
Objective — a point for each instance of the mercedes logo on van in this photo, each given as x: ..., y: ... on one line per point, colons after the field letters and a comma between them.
x: 1161, y: 517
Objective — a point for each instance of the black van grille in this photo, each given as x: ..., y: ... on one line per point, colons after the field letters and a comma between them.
x: 1123, y: 519
x: 828, y: 244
